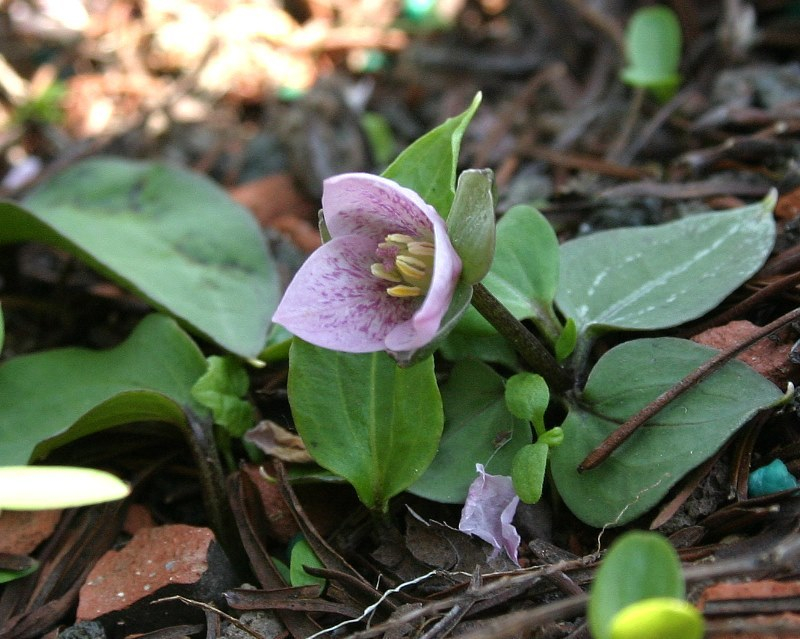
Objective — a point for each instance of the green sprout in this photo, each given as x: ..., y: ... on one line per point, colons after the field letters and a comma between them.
x: 653, y: 51
x: 639, y: 591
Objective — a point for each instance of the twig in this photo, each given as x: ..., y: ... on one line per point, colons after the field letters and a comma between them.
x: 209, y: 608
x: 373, y: 607
x: 615, y: 439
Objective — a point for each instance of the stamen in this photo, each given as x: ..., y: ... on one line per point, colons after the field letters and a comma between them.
x: 378, y: 270
x: 411, y: 267
x: 401, y: 290
x: 425, y: 249
x: 400, y: 238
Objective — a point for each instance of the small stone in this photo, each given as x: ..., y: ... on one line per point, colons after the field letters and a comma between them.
x: 83, y: 630
x: 768, y: 356
x: 136, y: 518
x: 263, y: 622
x: 156, y: 563
x: 22, y: 531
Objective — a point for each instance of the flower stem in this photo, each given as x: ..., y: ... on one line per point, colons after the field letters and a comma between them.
x: 523, y: 340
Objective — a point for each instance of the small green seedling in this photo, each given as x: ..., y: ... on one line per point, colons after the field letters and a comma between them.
x: 639, y: 591
x: 527, y: 397
x: 653, y: 51
x: 303, y: 555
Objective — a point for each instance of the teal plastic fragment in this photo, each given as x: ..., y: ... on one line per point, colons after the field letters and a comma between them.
x: 769, y: 479
x: 418, y: 10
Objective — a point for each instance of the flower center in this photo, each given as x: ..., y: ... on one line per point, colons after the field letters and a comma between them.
x: 405, y: 261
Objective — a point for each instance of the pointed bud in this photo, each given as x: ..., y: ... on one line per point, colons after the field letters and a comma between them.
x: 471, y: 224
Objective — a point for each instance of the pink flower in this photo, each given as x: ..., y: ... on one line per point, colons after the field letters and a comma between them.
x: 488, y: 511
x: 383, y: 281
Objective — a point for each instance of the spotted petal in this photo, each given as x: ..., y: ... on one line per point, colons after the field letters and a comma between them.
x: 373, y: 206
x: 335, y: 302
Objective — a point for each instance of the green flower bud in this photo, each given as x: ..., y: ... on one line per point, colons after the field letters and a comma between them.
x: 471, y: 224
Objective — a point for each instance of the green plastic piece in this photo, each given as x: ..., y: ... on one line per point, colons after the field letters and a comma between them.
x: 772, y: 478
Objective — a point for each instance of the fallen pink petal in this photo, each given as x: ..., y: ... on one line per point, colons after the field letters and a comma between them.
x: 383, y: 281
x: 488, y: 511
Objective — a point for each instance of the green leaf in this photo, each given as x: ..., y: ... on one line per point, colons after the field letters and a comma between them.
x: 11, y: 575
x: 429, y: 165
x: 524, y: 274
x: 221, y: 389
x: 681, y: 436
x: 567, y: 340
x: 169, y: 235
x: 639, y: 565
x: 50, y: 487
x: 364, y: 418
x: 490, y: 348
x: 653, y: 51
x: 471, y: 224
x: 2, y: 329
x: 648, y: 278
x: 478, y: 429
x: 50, y: 398
x: 303, y: 555
x: 528, y: 471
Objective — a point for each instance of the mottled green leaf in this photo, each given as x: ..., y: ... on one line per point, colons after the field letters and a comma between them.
x: 681, y: 436
x: 53, y: 397
x: 169, y: 235
x: 647, y: 278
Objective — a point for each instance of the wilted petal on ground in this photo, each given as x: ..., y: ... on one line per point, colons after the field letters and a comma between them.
x: 489, y: 510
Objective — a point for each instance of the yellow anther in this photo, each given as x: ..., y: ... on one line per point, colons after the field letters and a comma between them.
x: 378, y: 270
x: 410, y: 267
x: 401, y: 290
x: 425, y: 249
x: 400, y: 238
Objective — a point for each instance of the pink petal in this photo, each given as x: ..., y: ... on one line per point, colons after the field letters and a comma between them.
x: 335, y: 302
x: 422, y: 327
x: 373, y: 206
x: 488, y: 512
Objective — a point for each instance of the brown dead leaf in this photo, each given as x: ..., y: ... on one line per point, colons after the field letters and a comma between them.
x: 277, y: 203
x: 276, y: 441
